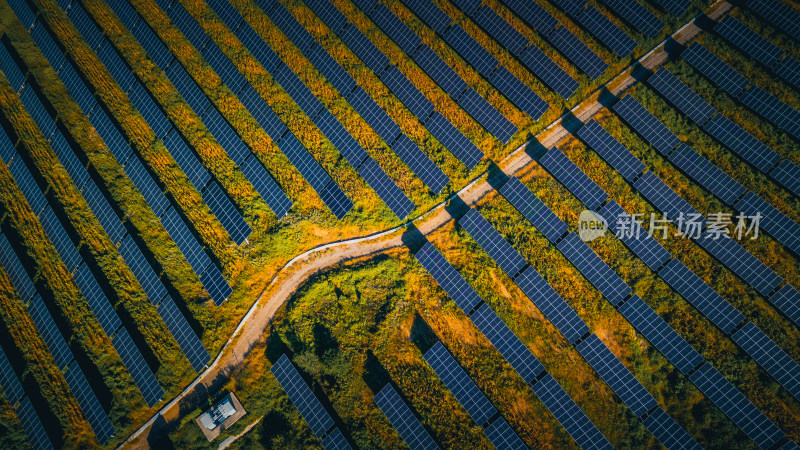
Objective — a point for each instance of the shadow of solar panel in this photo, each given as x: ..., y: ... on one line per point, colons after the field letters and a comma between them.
x: 701, y: 296
x: 23, y: 13
x: 636, y: 238
x: 664, y: 198
x: 187, y: 160
x: 573, y: 178
x: 336, y: 200
x: 226, y: 136
x: 146, y: 185
x: 430, y: 14
x: 403, y: 419
x: 707, y: 174
x: 335, y: 440
x: 89, y: 404
x: 681, y: 96
x: 774, y: 222
x: 142, y: 101
x: 569, y: 415
x: 224, y: 67
x: 48, y: 329
x: 611, y: 150
x: 533, y: 209
x: 77, y: 88
x: 772, y: 109
x: 32, y: 425
x: 9, y: 380
x: 185, y: 240
x: 326, y: 11
x: 297, y: 90
x: 500, y: 30
x: 533, y: 14
x: 420, y: 164
x: 676, y: 8
x: 769, y: 356
x: 15, y: 270
x: 150, y: 42
x: 125, y: 12
x: 788, y: 175
x: 111, y: 136
x: 787, y: 300
x: 485, y: 114
x: 448, y: 277
x: 60, y: 239
x: 10, y: 68
x: 218, y: 289
x: 549, y: 72
x: 459, y: 383
x: 69, y: 160
x: 37, y: 111
x: 301, y: 38
x: 376, y: 117
x: 137, y: 367
x: 84, y: 24
x: 742, y: 263
x: 502, y: 436
x: 263, y: 114
x: 557, y: 311
x: 646, y: 124
x: 668, y: 432
x: 492, y: 242
x: 97, y: 300
x: 344, y: 142
x: 190, y: 29
x: 405, y: 90
x: 593, y: 268
x: 104, y: 212
x: 518, y: 92
x: 736, y: 406
x: 775, y: 12
x: 301, y: 396
x: 304, y: 162
x: 789, y: 69
x: 226, y: 12
x: 27, y: 184
x: 188, y: 89
x: 748, y: 41
x: 616, y: 375
x: 398, y: 31
x: 469, y: 49
x: 179, y: 328
x: 637, y: 15
x: 661, y: 335
x: 331, y: 70
x: 55, y: 56
x: 266, y: 186
x: 226, y: 212
x: 439, y: 71
x: 142, y: 270
x: 261, y: 52
x: 606, y: 31
x: 715, y: 69
x: 455, y: 141
x: 742, y: 143
x: 507, y: 343
x: 364, y: 48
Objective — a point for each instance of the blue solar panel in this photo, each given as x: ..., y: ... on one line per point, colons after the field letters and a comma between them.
x: 569, y: 415
x: 455, y: 141
x: 507, y: 343
x: 573, y: 178
x: 262, y: 112
x: 681, y: 96
x: 636, y: 238
x: 749, y: 41
x: 187, y: 160
x: 534, y: 209
x: 69, y: 159
x: 787, y: 300
x: 226, y: 12
x: 144, y: 273
x: 784, y: 17
x: 188, y: 89
x: 331, y: 70
x: 606, y: 31
x: 60, y: 239
x: 266, y: 186
x: 27, y: 184
x: 366, y: 5
x: 10, y: 68
x: 146, y: 185
x: 299, y: 36
x: 637, y: 15
x: 224, y: 67
x: 397, y: 30
x: 23, y: 13
x: 188, y: 341
x: 37, y: 111
x: 50, y: 333
x: 154, y: 47
x: 492, y: 242
x: 298, y: 91
x: 741, y: 262
x: 226, y: 212
x: 707, y: 174
x: 430, y: 14
x: 420, y: 164
x: 593, y: 268
x: 459, y: 383
x: 190, y: 29
x: 469, y: 49
x: 742, y: 143
x: 789, y: 69
x: 344, y: 142
x: 55, y: 56
x: 772, y: 109
x: 335, y: 440
x: 701, y: 296
x: 386, y: 189
x: 136, y: 365
x: 533, y: 14
x: 518, y: 92
x: 439, y: 71
x: 304, y: 162
x: 676, y: 8
x: 111, y: 135
x: 787, y: 174
x: 403, y: 419
x: 448, y: 278
x: 90, y: 405
x: 376, y: 117
x: 37, y: 436
x: 547, y: 300
x: 125, y: 12
x: 715, y: 69
x: 302, y: 397
x: 364, y: 48
x: 15, y: 270
x: 405, y: 90
x: 185, y: 240
x: 150, y: 111
x: 769, y: 356
x: 502, y: 436
x: 736, y: 406
x: 326, y: 11
x: 336, y: 200
x: 261, y: 52
x: 774, y: 222
x: 668, y: 432
x: 578, y: 52
x: 218, y: 289
x: 611, y: 150
x: 104, y: 212
x: 664, y: 198
x: 500, y: 30
x: 97, y: 300
x: 84, y: 24
x: 485, y: 114
x: 9, y: 380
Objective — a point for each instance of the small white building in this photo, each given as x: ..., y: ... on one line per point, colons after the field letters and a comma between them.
x: 221, y: 416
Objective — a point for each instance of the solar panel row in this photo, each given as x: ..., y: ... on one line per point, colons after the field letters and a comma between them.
x: 150, y: 42
x: 593, y: 268
x: 742, y: 143
x: 187, y: 160
x: 27, y: 184
x: 611, y: 150
x: 533, y: 14
x: 85, y: 26
x: 331, y: 70
x: 226, y: 212
x: 90, y: 405
x: 529, y: 205
x: 492, y: 242
x: 578, y: 52
x: 789, y: 69
x: 784, y: 17
x: 403, y: 420
x: 646, y: 124
x: 448, y: 278
x: 330, y: 126
x: 469, y: 49
x: 222, y: 132
x: 144, y: 273
x: 405, y: 90
x: 386, y: 189
x: 787, y: 300
x: 142, y: 101
x: 668, y: 432
x: 302, y: 397
x: 105, y: 214
x: 335, y: 440
x: 364, y: 48
x: 187, y: 243
x: 434, y: 17
x: 37, y: 110
x: 111, y: 135
x: 69, y: 159
x: 774, y: 222
x: 500, y: 30
x: 715, y: 69
x: 747, y: 40
x: 769, y: 356
x: 549, y: 72
x: 439, y: 71
x: 266, y: 186
x: 637, y: 15
x: 45, y: 42
x: 573, y: 178
x: 681, y: 96
x: 788, y: 175
x: 61, y: 239
x: 32, y: 425
x: 97, y: 300
x: 10, y: 69
x: 772, y: 109
x: 518, y: 92
x: 502, y: 436
x: 23, y: 13
x: 180, y: 329
x: 9, y: 380
x: 741, y: 262
x: 674, y: 7
x: 634, y: 236
x: 215, y: 284
x: 707, y: 174
x: 454, y: 140
x: 547, y: 300
x: 397, y: 30
x: 136, y: 365
x: 420, y: 164
x: 606, y: 31
x: 16, y: 270
x: 145, y: 183
x: 49, y: 332
x: 664, y: 198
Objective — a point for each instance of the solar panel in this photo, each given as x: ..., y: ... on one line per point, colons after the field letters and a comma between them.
x: 137, y: 367
x: 262, y: 112
x: 788, y: 175
x: 9, y: 380
x: 188, y: 89
x: 150, y: 111
x: 366, y: 5
x: 326, y: 11
x: 470, y: 50
x: 395, y: 28
x: 37, y: 111
x: 55, y: 56
x: 226, y: 12
x: 667, y: 431
x: 146, y: 185
x: 405, y: 90
x: 569, y: 415
x: 573, y: 178
x: 50, y: 333
x: 60, y: 239
x: 774, y: 222
x: 701, y: 296
x: 789, y: 69
x: 749, y: 41
x: 454, y: 140
x: 84, y: 24
x: 179, y: 328
x: 736, y: 406
x: 448, y: 278
x: 502, y: 436
x: 298, y: 91
x: 27, y: 184
x: 224, y: 67
x: 266, y: 186
x: 492, y: 242
x: 637, y: 15
x: 7, y: 150
x: 772, y: 109
x: 335, y: 440
x: 10, y: 68
x: 403, y: 419
x: 386, y: 189
x: 533, y: 209
x: 190, y: 29
x: 364, y: 48
x: 226, y: 212
x: 104, y: 212
x: 430, y: 14
x: 784, y: 17
x: 218, y: 289
x: 420, y: 164
x: 336, y: 200
x: 187, y: 160
x: 302, y: 397
x: 23, y: 13
x: 578, y: 52
x: 707, y: 174
x: 262, y: 53
x: 557, y: 311
x: 37, y: 436
x: 593, y: 268
x: 16, y: 270
x: 459, y: 383
x: 304, y: 162
x: 89, y: 404
x: 97, y: 300
x: 787, y: 300
x: 611, y: 150
x: 185, y: 240
x: 769, y: 356
x: 69, y: 160
x: 500, y: 30
x: 533, y: 14
x: 376, y: 117
x: 344, y: 142
x: 549, y: 72
x: 664, y: 198
x: 154, y: 47
x: 331, y: 70
x: 125, y: 12
x: 742, y: 143
x: 144, y: 273
x: 518, y: 92
x: 111, y: 135
x: 606, y: 31
x: 299, y: 36
x: 485, y: 114
x: 439, y: 71
x: 674, y: 7
x: 681, y: 96
x: 507, y: 343
x: 715, y: 69
x: 741, y: 262
x: 636, y: 238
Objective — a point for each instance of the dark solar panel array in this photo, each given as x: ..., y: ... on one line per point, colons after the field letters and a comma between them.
x: 60, y: 239
x: 664, y: 198
x: 492, y: 242
x: 335, y: 440
x: 788, y: 175
x: 750, y: 42
x: 125, y: 12
x: 185, y: 240
x: 606, y: 31
x: 577, y: 52
x: 364, y: 48
x: 90, y: 405
x: 573, y: 178
x: 264, y: 115
x: 789, y: 69
x: 551, y: 305
x: 439, y: 71
x: 769, y: 356
x: 116, y: 66
x: 50, y: 333
x: 668, y: 432
x: 646, y: 124
x: 534, y: 209
x: 77, y: 88
x: 742, y: 143
x: 32, y: 425
x: 502, y: 31
x: 637, y: 15
x: 290, y: 27
x: 104, y: 212
x: 485, y: 114
x: 636, y: 238
x: 23, y: 13
x: 302, y: 397
x: 593, y: 268
x: 742, y: 263
x: 182, y: 332
x: 16, y: 271
x: 774, y: 222
x: 336, y: 200
x: 226, y: 212
x: 188, y: 26
x: 333, y: 18
x: 111, y: 135
x: 420, y: 164
x: 611, y: 150
x: 434, y: 17
x: 772, y: 109
x: 681, y: 96
x: 386, y: 189
x: 97, y: 300
x: 403, y: 419
x: 224, y: 67
x: 69, y: 160
x: 330, y: 126
x: 469, y: 49
x: 715, y: 69
x: 707, y: 174
x: 454, y: 140
x: 48, y: 47
x: 376, y: 117
x: 502, y: 436
x: 144, y: 273
x: 84, y: 24
x: 784, y: 17
x: 10, y: 69
x: 218, y: 289
x: 141, y: 99
x: 9, y: 380
x: 187, y: 160
x: 137, y: 367
x: 150, y: 42
x: 787, y: 300
x: 405, y: 90
x: 330, y: 68
x: 37, y: 111
x: 448, y: 278
x: 518, y: 92
x: 397, y: 30
x: 305, y: 163
x: 549, y: 72
x: 533, y: 14
x: 298, y: 91
x: 676, y: 8
x: 225, y: 136
x: 266, y: 186
x: 145, y: 183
